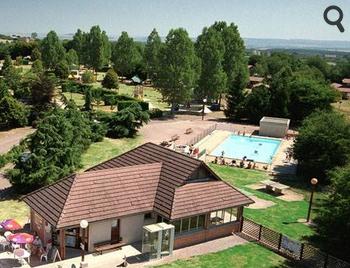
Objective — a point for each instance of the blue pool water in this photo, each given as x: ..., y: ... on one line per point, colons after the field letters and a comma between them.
x: 257, y: 149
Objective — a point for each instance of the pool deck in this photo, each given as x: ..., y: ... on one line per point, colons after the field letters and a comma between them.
x: 279, y: 165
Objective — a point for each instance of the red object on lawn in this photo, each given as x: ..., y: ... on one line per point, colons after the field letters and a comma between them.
x: 21, y: 238
x: 10, y: 225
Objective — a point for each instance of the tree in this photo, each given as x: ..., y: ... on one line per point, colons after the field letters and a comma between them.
x: 210, y: 49
x: 36, y: 54
x: 11, y: 75
x: 7, y: 65
x: 308, y: 95
x: 125, y: 55
x: 62, y: 70
x: 42, y: 90
x: 151, y: 53
x: 126, y: 122
x: 72, y: 57
x: 110, y: 80
x: 88, y: 100
x: 257, y: 104
x: 235, y: 67
x: 178, y: 68
x: 52, y: 50
x: 55, y: 149
x: 332, y: 221
x: 34, y: 35
x: 279, y: 86
x: 4, y: 90
x: 12, y: 113
x: 323, y: 143
x: 37, y: 67
x: 78, y: 45
x: 98, y: 48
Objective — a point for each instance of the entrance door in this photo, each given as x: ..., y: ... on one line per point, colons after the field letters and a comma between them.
x: 115, y: 231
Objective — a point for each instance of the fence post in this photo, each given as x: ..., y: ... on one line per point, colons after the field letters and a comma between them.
x: 301, y: 251
x: 326, y: 261
x: 279, y: 242
x: 260, y: 229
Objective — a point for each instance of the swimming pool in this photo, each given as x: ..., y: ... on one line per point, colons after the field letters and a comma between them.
x: 258, y: 149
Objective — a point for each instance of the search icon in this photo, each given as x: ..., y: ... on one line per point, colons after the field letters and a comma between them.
x: 334, y: 22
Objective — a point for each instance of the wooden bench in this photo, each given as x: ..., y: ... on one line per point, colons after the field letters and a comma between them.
x: 107, y: 245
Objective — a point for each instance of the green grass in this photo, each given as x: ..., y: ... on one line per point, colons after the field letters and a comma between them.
x: 283, y: 216
x: 246, y: 255
x: 14, y: 209
x: 106, y: 149
x: 344, y: 107
x: 77, y: 97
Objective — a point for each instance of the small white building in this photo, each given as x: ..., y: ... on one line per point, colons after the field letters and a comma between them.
x: 274, y: 127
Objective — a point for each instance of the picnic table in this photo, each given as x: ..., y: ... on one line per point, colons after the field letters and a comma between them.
x: 274, y: 186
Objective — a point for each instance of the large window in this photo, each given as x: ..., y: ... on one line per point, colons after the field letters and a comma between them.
x: 189, y: 224
x: 223, y: 216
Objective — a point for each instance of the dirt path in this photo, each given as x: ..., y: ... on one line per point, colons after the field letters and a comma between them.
x: 12, y: 137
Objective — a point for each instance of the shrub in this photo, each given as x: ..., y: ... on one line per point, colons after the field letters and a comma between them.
x: 12, y: 113
x: 88, y: 77
x: 110, y: 80
x: 125, y: 104
x: 155, y: 113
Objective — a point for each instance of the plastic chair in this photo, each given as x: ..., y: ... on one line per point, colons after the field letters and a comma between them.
x: 4, y: 243
x: 46, y: 252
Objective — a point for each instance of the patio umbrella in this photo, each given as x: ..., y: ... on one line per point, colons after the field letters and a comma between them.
x: 10, y: 225
x: 21, y: 238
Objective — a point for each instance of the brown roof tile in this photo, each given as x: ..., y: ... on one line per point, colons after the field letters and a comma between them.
x: 202, y: 197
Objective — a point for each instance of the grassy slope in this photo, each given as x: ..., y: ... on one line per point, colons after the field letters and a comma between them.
x: 247, y: 255
x: 14, y: 209
x: 344, y: 107
x: 108, y: 148
x: 281, y: 217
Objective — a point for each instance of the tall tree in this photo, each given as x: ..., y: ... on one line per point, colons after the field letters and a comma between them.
x: 323, y: 143
x: 43, y: 89
x: 36, y: 54
x: 78, y: 45
x: 151, y: 53
x: 178, y: 68
x: 98, y: 48
x: 125, y: 55
x: 332, y: 221
x: 210, y: 49
x: 280, y: 92
x: 234, y: 65
x: 52, y: 50
x: 72, y: 57
x: 7, y: 65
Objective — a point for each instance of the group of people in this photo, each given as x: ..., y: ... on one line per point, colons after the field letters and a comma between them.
x: 233, y: 163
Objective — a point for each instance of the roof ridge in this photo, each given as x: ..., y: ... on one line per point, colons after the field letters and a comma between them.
x: 116, y: 168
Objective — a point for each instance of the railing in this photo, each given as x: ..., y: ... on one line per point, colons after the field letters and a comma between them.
x: 303, y: 253
x: 202, y: 135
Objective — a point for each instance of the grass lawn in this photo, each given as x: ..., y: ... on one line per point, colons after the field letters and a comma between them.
x: 281, y: 217
x: 78, y: 98
x: 14, y: 209
x: 247, y: 255
x: 344, y: 107
x: 106, y: 149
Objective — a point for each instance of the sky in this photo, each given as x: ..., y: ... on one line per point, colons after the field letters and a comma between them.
x: 285, y: 19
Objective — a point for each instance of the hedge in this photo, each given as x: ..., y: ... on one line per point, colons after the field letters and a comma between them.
x: 124, y: 104
x: 74, y: 87
x: 113, y: 99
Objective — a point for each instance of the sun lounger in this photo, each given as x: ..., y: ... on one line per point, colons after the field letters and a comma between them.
x: 188, y: 131
x: 174, y: 138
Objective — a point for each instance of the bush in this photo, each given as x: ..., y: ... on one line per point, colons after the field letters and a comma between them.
x: 74, y: 87
x: 125, y: 104
x: 110, y: 80
x: 62, y: 70
x: 155, y: 113
x: 113, y: 99
x: 12, y: 113
x: 88, y: 77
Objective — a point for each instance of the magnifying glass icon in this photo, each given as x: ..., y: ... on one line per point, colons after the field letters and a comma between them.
x: 334, y: 22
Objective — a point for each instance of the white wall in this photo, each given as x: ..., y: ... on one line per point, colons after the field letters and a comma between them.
x: 130, y: 230
x: 272, y: 130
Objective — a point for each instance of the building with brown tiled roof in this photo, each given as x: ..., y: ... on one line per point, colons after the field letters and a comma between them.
x: 344, y: 88
x: 146, y: 185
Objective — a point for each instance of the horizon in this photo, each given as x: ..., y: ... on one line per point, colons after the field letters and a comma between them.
x: 255, y: 20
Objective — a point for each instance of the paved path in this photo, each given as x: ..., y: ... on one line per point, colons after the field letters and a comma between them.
x: 12, y: 137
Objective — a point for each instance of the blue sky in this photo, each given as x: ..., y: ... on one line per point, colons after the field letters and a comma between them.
x: 255, y: 18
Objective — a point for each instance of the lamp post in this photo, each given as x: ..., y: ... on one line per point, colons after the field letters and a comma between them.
x: 83, y: 225
x: 204, y: 102
x: 313, y: 182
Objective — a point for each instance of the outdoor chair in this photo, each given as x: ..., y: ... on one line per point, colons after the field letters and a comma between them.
x: 4, y: 243
x: 45, y: 253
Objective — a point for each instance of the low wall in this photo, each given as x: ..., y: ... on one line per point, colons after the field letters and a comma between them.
x: 204, y: 235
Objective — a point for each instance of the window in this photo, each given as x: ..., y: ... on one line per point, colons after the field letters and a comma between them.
x: 177, y: 225
x: 193, y: 223
x: 201, y: 221
x: 223, y: 216
x: 185, y: 224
